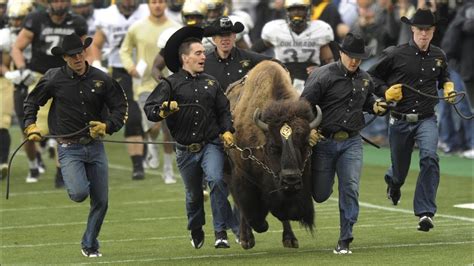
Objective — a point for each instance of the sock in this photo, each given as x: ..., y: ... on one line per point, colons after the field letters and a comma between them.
x: 137, y: 162
x: 167, y: 161
x: 33, y: 164
x: 5, y: 147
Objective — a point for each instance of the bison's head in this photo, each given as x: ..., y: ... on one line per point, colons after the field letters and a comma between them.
x: 287, y: 125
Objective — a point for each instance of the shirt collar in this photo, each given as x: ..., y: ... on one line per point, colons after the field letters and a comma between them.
x: 412, y: 43
x: 345, y: 72
x: 187, y: 75
x: 70, y: 73
x: 231, y: 56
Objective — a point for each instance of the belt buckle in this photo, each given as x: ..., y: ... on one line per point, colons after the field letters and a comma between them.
x: 412, y: 118
x: 340, y: 135
x: 194, y: 147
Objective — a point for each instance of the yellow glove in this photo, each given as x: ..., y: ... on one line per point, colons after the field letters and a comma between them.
x: 394, y: 93
x: 33, y: 133
x: 314, y: 137
x: 449, y: 91
x: 380, y: 107
x: 97, y: 129
x: 164, y: 112
x: 228, y: 139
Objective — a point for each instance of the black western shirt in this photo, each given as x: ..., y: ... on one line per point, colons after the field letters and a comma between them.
x: 426, y: 71
x: 341, y: 95
x: 77, y: 100
x: 233, y: 68
x: 191, y: 124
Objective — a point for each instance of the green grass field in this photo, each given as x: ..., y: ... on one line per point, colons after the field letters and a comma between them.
x: 146, y: 222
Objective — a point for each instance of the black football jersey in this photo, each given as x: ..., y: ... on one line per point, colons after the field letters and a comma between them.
x: 47, y: 35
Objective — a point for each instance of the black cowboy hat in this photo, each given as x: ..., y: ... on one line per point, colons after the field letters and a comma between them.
x: 353, y: 45
x: 72, y: 44
x: 171, y: 52
x: 223, y: 25
x: 422, y: 18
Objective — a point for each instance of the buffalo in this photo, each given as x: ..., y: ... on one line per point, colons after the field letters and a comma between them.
x: 269, y: 169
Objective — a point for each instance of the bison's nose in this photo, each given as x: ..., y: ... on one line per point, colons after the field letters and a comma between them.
x: 290, y: 180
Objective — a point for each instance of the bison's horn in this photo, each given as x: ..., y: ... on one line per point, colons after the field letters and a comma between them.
x: 256, y: 118
x: 317, y: 120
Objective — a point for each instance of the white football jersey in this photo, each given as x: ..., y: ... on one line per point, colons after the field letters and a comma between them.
x: 7, y: 39
x: 115, y: 26
x: 297, y: 48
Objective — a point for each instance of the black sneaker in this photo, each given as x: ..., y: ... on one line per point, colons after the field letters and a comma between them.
x: 138, y: 175
x: 197, y: 238
x: 394, y: 195
x: 91, y: 252
x: 221, y: 240
x: 425, y: 223
x: 342, y: 247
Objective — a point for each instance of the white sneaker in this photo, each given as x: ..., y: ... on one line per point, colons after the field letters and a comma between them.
x: 469, y: 154
x: 152, y: 158
x: 33, y: 176
x: 168, y: 175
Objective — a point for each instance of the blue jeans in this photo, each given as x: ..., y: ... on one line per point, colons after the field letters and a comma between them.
x: 85, y: 172
x: 402, y: 137
x: 209, y: 164
x: 343, y: 158
x: 456, y: 132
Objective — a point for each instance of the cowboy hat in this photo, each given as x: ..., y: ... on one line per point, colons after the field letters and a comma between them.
x: 72, y: 44
x: 422, y: 18
x: 223, y: 25
x: 353, y: 45
x: 171, y: 50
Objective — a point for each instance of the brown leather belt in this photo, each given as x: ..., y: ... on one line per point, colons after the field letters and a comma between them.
x: 340, y: 135
x: 82, y: 140
x: 412, y: 118
x: 193, y: 147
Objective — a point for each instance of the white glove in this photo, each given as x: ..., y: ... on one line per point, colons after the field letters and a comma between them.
x: 97, y: 64
x: 27, y: 77
x: 14, y: 76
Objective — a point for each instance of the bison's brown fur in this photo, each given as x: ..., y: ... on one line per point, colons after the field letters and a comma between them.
x: 268, y: 87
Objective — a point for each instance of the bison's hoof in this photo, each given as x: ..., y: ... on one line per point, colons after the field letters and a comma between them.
x: 290, y: 243
x: 261, y: 228
x: 248, y: 244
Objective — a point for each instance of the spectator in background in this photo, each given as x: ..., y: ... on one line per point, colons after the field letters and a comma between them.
x: 379, y: 28
x: 326, y: 11
x: 457, y: 135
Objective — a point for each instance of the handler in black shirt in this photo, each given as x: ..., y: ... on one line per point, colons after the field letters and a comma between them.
x: 196, y: 130
x: 228, y: 63
x: 343, y: 91
x: 80, y: 92
x: 422, y: 66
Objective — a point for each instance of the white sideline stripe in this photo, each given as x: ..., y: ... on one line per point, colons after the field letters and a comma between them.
x: 465, y: 206
x: 283, y: 253
x: 35, y: 208
x: 279, y: 231
x: 373, y: 206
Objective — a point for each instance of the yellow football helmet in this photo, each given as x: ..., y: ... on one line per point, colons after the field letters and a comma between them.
x: 215, y: 9
x: 19, y: 9
x: 298, y: 18
x: 193, y: 12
